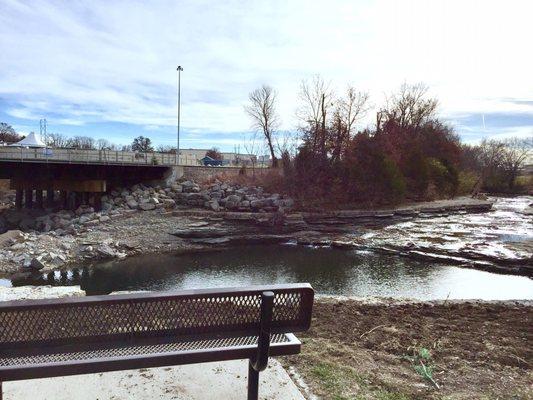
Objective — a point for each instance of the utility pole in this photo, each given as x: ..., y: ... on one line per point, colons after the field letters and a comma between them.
x: 179, y: 69
x: 42, y: 131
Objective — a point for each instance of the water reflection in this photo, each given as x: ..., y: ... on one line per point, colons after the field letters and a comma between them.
x: 330, y: 271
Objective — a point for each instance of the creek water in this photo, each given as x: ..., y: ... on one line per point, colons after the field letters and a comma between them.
x: 506, y: 232
x: 330, y: 271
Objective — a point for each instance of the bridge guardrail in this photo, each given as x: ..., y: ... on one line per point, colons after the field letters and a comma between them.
x: 78, y: 156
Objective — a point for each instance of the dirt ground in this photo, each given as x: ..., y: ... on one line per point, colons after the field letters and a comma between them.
x: 471, y: 350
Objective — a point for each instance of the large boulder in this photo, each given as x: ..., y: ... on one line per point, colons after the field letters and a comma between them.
x: 168, y: 203
x: 258, y: 204
x: 132, y: 204
x: 147, y: 206
x: 213, y: 205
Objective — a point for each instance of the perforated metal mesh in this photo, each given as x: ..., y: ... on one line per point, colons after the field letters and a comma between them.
x: 128, y: 351
x: 140, y: 316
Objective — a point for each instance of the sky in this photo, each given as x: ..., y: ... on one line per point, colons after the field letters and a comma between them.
x: 107, y: 69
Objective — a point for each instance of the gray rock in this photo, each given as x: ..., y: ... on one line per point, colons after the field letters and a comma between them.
x: 216, y: 195
x: 213, y: 205
x: 234, y: 198
x: 168, y: 203
x: 258, y: 204
x: 232, y: 205
x: 147, y: 206
x: 36, y: 264
x: 106, y: 251
x: 133, y: 204
x: 177, y: 188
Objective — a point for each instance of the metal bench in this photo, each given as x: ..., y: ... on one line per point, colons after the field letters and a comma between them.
x: 71, y: 336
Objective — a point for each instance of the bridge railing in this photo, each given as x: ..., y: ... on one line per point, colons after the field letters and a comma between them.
x: 79, y: 156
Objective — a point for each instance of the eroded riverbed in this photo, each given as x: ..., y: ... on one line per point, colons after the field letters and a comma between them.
x: 502, y: 236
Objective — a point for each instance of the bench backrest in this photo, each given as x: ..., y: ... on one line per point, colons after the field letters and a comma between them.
x: 29, y: 323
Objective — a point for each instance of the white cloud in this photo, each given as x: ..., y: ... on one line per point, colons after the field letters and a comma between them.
x: 103, y: 61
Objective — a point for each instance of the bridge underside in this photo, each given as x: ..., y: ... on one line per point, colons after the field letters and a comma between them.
x: 76, y: 183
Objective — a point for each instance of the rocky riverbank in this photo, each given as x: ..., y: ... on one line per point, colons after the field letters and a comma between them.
x: 45, y: 240
x: 186, y: 216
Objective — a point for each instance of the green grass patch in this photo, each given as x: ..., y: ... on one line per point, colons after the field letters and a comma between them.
x: 343, y: 383
x: 338, y: 381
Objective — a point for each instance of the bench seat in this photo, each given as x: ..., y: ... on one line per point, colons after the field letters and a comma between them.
x: 66, y: 360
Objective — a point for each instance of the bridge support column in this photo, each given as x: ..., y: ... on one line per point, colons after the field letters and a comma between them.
x: 49, y: 198
x: 28, y: 198
x: 97, y: 201
x: 77, y: 200
x: 18, y: 199
x: 85, y: 198
x: 64, y: 199
x: 39, y: 198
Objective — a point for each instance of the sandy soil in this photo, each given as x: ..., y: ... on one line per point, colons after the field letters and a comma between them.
x: 477, y: 350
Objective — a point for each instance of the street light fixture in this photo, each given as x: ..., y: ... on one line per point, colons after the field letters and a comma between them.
x: 179, y: 69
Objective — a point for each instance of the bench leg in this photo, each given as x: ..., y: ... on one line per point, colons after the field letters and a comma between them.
x: 253, y: 382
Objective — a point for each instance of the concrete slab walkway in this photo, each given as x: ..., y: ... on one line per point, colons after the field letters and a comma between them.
x: 210, y: 381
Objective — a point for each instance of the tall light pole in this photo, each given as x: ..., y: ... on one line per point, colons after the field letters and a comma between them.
x: 179, y: 69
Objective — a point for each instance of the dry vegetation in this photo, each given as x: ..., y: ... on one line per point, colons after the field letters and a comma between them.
x: 4, y: 185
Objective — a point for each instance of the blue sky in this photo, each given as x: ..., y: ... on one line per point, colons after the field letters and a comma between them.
x: 108, y: 68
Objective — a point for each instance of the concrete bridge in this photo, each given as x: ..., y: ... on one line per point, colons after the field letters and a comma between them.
x: 79, y: 176
x: 78, y: 156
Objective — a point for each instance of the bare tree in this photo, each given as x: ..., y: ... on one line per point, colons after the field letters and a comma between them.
x: 262, y: 111
x: 57, y: 140
x: 501, y: 159
x: 8, y: 134
x: 517, y: 151
x: 104, y: 144
x: 82, y: 142
x: 348, y: 110
x: 166, y: 149
x: 409, y: 107
x: 316, y: 100
x: 287, y: 142
x: 251, y: 147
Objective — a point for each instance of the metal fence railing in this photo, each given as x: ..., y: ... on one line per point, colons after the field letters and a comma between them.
x: 77, y: 156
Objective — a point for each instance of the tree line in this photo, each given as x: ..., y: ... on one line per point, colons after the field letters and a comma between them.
x: 407, y: 153
x: 8, y: 135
